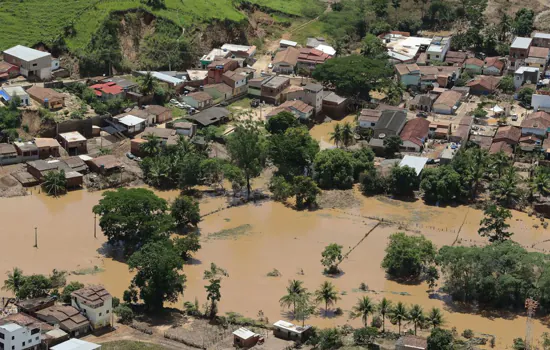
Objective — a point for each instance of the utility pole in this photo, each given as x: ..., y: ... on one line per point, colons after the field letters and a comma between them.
x: 36, y: 237
x: 95, y: 225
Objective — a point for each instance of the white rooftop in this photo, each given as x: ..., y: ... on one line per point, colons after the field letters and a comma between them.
x: 73, y: 136
x: 164, y: 77
x: 417, y: 163
x: 76, y: 344
x: 15, y: 90
x: 290, y: 326
x: 11, y: 327
x: 523, y: 69
x: 211, y: 56
x: 26, y: 53
x: 85, y: 157
x: 234, y: 47
x: 542, y: 35
x: 244, y: 333
x: 197, y: 74
x: 288, y: 42
x: 408, y: 46
x: 521, y: 43
x: 435, y: 48
x: 329, y: 50
x: 131, y: 120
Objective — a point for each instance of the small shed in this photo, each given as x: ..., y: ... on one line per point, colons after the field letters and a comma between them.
x: 47, y: 147
x: 245, y: 338
x: 417, y: 163
x: 290, y: 331
x: 105, y: 165
x: 132, y: 123
x: 283, y: 44
x: 73, y: 142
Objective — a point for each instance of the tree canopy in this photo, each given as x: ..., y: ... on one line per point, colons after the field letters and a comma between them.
x: 247, y: 148
x: 353, y: 76
x: 157, y: 266
x: 279, y: 123
x: 333, y: 168
x: 293, y: 151
x: 407, y: 257
x: 133, y: 217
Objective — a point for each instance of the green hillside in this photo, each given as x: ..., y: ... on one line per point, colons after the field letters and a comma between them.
x: 31, y: 21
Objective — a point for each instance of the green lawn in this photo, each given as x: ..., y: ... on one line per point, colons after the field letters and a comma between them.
x: 312, y: 30
x: 31, y: 21
x: 130, y: 345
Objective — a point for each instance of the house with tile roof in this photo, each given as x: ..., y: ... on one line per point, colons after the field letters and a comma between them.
x: 285, y: 61
x: 493, y: 66
x: 96, y: 303
x: 414, y: 134
x: 309, y: 58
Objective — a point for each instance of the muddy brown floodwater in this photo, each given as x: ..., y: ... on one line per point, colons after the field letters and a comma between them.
x: 252, y: 240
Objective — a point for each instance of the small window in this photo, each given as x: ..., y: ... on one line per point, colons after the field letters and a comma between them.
x: 13, y: 347
x: 35, y: 64
x: 1, y: 335
x: 107, y: 311
x: 1, y: 345
x: 12, y: 337
x: 100, y: 314
x: 37, y: 338
x: 23, y: 344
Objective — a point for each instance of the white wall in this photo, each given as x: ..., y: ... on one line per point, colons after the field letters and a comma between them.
x: 540, y: 101
x: 98, y: 317
x: 14, y: 340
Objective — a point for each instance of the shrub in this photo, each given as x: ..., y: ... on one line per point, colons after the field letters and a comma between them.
x: 125, y: 313
x: 468, y: 333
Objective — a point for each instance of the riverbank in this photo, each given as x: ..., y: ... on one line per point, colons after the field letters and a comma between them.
x: 252, y: 240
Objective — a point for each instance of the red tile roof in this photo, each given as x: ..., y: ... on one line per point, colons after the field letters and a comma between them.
x: 494, y: 62
x: 537, y: 120
x: 298, y: 105
x: 110, y: 88
x: 539, y: 52
x: 416, y: 131
x: 509, y: 134
x: 312, y: 56
x: 474, y: 62
x: 501, y: 146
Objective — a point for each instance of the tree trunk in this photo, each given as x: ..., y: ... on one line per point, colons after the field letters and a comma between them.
x: 247, y: 187
x: 326, y: 309
x: 415, y: 328
x: 399, y: 325
x: 383, y: 323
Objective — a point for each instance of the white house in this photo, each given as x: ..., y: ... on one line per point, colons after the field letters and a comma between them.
x: 438, y: 48
x: 76, y: 344
x: 525, y: 74
x: 132, y: 123
x: 541, y: 102
x: 10, y: 92
x: 96, y: 303
x: 16, y: 337
x: 32, y: 63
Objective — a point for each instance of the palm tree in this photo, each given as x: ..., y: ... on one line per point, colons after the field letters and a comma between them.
x: 14, y: 280
x: 399, y: 314
x: 540, y: 183
x: 147, y: 83
x: 499, y: 162
x: 363, y: 309
x: 336, y: 135
x: 152, y: 146
x: 55, y: 182
x: 435, y: 318
x: 294, y: 290
x: 384, y: 307
x: 347, y: 134
x: 327, y: 294
x: 416, y: 316
x: 394, y: 93
x: 506, y: 189
x: 476, y: 169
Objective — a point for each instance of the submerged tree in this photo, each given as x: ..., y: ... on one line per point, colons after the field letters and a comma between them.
x: 332, y: 256
x: 363, y: 308
x: 494, y: 225
x: 327, y: 294
x: 294, y: 291
x: 399, y: 314
x: 55, y: 182
x: 384, y: 307
x: 214, y: 295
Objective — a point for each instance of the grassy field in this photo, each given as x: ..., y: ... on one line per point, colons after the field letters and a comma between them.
x: 130, y: 345
x: 31, y: 21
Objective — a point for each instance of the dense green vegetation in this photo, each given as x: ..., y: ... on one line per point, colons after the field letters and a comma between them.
x: 34, y: 286
x: 33, y: 21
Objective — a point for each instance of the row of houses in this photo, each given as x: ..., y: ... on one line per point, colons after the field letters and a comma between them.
x: 44, y: 322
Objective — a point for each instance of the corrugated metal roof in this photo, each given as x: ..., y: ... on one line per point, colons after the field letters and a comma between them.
x: 26, y: 53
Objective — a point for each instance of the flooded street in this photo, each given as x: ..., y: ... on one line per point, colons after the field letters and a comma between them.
x: 321, y: 132
x: 252, y: 240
